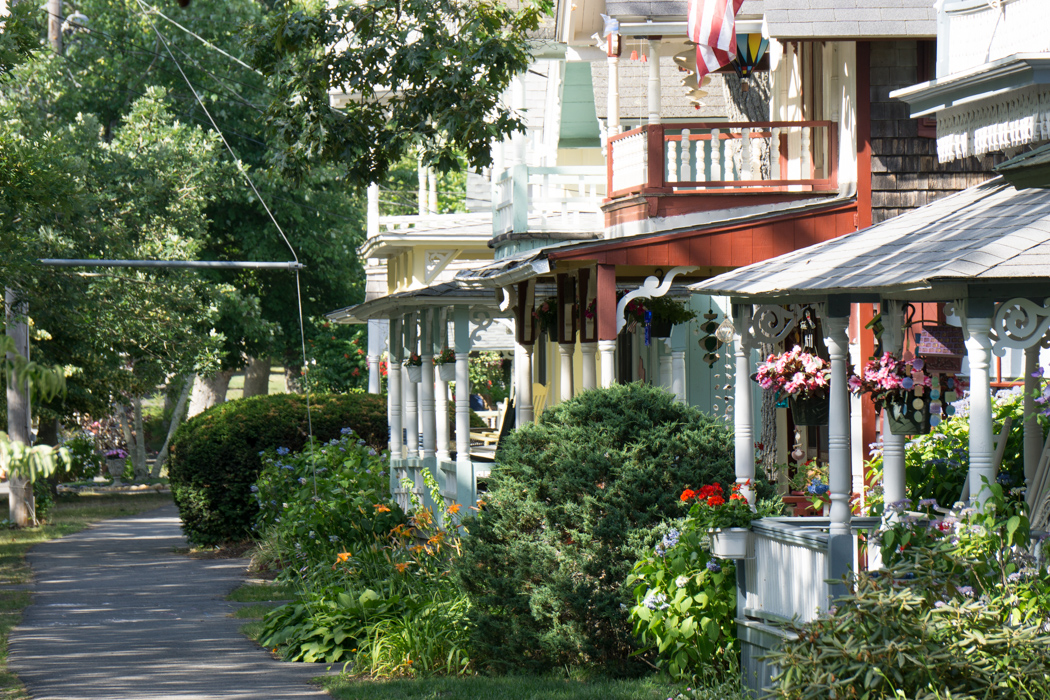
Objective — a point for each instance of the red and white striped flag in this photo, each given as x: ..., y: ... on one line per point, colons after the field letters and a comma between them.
x: 712, y: 26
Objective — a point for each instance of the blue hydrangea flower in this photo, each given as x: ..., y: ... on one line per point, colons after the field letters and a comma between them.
x: 282, y: 451
x: 347, y: 431
x: 254, y: 488
x: 302, y: 480
x: 713, y: 566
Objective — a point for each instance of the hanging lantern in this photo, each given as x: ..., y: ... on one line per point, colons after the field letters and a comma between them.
x: 750, y: 48
x: 634, y: 55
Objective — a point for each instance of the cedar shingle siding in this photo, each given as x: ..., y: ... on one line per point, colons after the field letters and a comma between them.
x: 905, y: 171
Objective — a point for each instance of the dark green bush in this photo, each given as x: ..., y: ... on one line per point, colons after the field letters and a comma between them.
x: 215, y: 456
x: 573, y: 503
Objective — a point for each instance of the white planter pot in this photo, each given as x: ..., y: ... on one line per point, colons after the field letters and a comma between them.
x: 447, y: 372
x: 415, y: 373
x: 732, y: 543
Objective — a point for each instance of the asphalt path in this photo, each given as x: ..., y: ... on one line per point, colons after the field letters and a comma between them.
x: 116, y: 614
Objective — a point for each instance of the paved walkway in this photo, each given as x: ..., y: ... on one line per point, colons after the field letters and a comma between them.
x: 117, y: 614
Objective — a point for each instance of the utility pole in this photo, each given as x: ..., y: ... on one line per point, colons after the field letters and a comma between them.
x: 20, y: 501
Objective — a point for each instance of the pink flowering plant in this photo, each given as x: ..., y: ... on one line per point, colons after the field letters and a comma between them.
x: 887, y: 378
x: 796, y: 372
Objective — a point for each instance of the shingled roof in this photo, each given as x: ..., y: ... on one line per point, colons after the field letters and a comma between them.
x: 977, y: 242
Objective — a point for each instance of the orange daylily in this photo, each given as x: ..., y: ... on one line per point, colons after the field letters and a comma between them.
x: 343, y: 556
x: 401, y: 567
x: 454, y: 508
x: 381, y: 508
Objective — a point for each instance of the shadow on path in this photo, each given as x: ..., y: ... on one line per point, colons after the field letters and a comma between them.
x: 117, y: 614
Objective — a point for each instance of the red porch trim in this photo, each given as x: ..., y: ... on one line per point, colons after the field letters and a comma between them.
x: 722, y: 245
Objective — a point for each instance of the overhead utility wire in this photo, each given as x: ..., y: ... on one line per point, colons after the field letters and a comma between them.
x: 247, y: 177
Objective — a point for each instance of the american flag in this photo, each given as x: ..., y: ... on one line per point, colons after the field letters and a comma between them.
x: 712, y: 26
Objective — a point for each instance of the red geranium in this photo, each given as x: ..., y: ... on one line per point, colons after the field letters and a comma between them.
x: 687, y: 494
x: 715, y: 500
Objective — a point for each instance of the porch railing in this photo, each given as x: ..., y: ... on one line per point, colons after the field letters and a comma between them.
x: 557, y: 199
x: 787, y: 578
x: 701, y: 157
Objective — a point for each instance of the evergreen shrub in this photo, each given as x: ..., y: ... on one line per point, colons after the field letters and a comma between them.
x: 574, y: 501
x: 216, y: 456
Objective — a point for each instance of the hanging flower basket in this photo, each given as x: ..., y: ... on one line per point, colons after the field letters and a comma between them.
x: 447, y: 372
x: 731, y: 543
x: 660, y: 328
x: 415, y: 373
x: 908, y: 414
x: 809, y: 410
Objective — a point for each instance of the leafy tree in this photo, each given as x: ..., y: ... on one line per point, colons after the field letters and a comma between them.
x: 424, y: 74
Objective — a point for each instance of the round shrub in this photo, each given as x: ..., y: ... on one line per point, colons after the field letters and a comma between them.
x: 574, y: 501
x: 215, y: 456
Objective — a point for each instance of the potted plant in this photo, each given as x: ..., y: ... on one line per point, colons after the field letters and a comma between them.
x: 808, y: 490
x: 900, y: 387
x: 116, y: 460
x: 547, y: 314
x: 414, y: 363
x: 445, y: 361
x: 666, y: 313
x: 804, y: 377
x: 728, y: 522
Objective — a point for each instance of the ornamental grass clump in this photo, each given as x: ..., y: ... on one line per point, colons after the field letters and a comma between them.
x: 573, y: 501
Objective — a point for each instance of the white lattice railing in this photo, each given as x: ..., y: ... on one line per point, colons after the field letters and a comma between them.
x: 532, y: 199
x: 767, y: 156
x: 630, y: 164
x: 786, y: 579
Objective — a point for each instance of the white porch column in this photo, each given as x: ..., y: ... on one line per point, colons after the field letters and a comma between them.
x: 743, y: 430
x: 565, y: 352
x: 393, y: 391
x: 666, y: 371
x: 441, y: 391
x: 654, y: 81
x: 411, y: 392
x: 1033, y: 434
x: 426, y: 387
x: 839, y: 474
x: 979, y: 353
x: 613, y: 116
x: 678, y: 385
x: 893, y: 477
x: 589, y: 377
x: 523, y: 373
x: 840, y: 478
x: 375, y: 351
x: 464, y: 468
x: 607, y: 351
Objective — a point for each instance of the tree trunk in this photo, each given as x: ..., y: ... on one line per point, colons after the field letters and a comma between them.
x: 293, y: 379
x: 21, y: 505
x: 138, y: 455
x: 208, y: 392
x: 257, y: 377
x: 176, y: 419
x: 125, y: 429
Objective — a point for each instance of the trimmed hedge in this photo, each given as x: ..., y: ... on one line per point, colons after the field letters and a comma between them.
x: 573, y: 502
x: 215, y: 456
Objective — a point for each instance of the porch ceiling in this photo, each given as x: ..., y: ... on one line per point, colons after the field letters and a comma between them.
x: 990, y: 241
x: 445, y: 294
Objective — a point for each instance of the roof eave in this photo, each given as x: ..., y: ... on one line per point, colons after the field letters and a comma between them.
x: 987, y: 80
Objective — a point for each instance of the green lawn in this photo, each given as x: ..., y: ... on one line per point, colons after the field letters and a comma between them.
x: 277, y: 385
x: 71, y: 514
